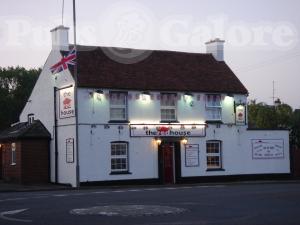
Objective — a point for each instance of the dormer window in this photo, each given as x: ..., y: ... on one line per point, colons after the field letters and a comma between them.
x: 30, y: 118
x: 213, y: 107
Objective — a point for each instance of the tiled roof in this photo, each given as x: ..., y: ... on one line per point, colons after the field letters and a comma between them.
x: 25, y: 130
x: 159, y: 71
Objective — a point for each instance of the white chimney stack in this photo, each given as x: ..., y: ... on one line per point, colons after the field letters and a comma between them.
x: 60, y: 38
x: 216, y: 48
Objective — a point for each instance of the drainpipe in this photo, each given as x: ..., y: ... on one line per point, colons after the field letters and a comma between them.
x: 55, y: 137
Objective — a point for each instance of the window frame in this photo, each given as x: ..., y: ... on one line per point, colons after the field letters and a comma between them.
x: 13, y: 154
x: 125, y: 119
x: 213, y: 108
x: 175, y: 119
x: 119, y: 171
x: 219, y: 154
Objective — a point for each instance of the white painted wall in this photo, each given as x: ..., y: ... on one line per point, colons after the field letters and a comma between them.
x: 95, y: 141
x: 41, y: 104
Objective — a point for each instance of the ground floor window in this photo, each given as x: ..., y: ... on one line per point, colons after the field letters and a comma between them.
x: 213, y: 155
x: 13, y: 154
x: 119, y: 157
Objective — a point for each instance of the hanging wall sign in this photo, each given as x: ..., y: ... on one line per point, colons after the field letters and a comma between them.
x: 167, y: 130
x: 267, y: 149
x: 191, y: 155
x: 66, y: 103
x: 240, y: 118
x: 70, y: 150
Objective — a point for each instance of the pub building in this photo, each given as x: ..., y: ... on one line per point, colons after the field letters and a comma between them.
x: 153, y: 117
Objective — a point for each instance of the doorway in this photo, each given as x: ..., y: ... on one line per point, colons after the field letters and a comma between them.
x: 169, y: 162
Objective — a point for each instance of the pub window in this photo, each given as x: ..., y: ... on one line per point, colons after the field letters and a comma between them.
x: 213, y: 155
x: 213, y: 107
x: 13, y: 154
x: 118, y: 106
x: 168, y: 107
x: 119, y: 157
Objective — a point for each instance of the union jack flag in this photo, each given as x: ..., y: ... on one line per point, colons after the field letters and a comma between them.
x: 64, y: 62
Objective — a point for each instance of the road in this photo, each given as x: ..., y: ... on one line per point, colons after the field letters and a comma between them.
x: 230, y: 204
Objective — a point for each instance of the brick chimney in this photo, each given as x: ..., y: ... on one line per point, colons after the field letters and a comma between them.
x: 60, y: 38
x: 216, y: 48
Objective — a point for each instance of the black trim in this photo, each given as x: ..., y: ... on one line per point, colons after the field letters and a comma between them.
x: 120, y: 172
x: 216, y: 169
x: 230, y: 178
x: 119, y: 121
x: 153, y: 181
x: 214, y: 121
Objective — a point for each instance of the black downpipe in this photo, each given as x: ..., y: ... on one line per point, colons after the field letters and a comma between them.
x: 55, y: 137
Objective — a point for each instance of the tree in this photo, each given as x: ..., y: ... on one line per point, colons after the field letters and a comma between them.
x: 16, y: 84
x: 295, y: 134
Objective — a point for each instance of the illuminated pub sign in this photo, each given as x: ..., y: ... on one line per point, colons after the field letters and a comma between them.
x: 167, y: 130
x: 66, y: 103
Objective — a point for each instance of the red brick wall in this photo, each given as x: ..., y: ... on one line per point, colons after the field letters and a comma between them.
x: 35, y: 161
x: 11, y: 172
x: 296, y: 162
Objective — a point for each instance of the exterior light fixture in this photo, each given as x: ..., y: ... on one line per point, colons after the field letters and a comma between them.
x: 188, y: 98
x: 158, y: 141
x: 98, y: 93
x: 145, y: 96
x: 184, y: 140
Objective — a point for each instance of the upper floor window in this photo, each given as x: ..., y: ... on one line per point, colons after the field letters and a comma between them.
x: 213, y: 155
x: 213, y: 107
x: 118, y: 106
x: 168, y: 107
x: 30, y: 118
x: 13, y: 153
x: 119, y: 157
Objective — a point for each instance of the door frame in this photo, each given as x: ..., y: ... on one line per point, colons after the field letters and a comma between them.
x: 176, y: 159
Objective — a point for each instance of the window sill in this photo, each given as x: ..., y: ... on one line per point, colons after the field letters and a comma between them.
x: 169, y: 121
x: 13, y: 164
x: 120, y: 173
x: 119, y: 121
x: 217, y: 169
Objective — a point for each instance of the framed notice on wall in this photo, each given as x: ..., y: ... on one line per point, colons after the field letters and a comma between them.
x: 70, y: 150
x: 267, y: 149
x: 191, y: 155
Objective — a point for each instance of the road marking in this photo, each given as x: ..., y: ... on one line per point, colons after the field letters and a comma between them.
x: 13, y: 212
x: 12, y: 199
x: 60, y: 195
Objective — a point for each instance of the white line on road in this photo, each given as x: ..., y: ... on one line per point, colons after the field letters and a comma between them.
x: 13, y: 212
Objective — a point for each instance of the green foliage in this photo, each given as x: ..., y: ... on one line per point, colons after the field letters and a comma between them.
x: 16, y: 84
x: 264, y: 116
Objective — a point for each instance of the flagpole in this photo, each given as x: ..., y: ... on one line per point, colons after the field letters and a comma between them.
x: 76, y: 96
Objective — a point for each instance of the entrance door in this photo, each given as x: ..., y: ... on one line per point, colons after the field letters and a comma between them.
x: 168, y: 163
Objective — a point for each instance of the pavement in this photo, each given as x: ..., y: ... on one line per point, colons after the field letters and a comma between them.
x: 15, y: 187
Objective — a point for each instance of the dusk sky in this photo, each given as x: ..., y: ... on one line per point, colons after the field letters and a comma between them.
x: 262, y: 36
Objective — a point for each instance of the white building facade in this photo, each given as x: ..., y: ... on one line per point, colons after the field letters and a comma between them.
x: 131, y: 129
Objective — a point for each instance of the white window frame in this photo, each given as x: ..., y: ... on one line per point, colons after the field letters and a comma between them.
x: 13, y: 154
x: 219, y: 154
x: 30, y: 118
x: 125, y: 118
x: 213, y: 108
x: 162, y: 107
x: 124, y: 156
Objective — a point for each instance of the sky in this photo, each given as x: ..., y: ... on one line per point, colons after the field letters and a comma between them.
x: 262, y: 37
